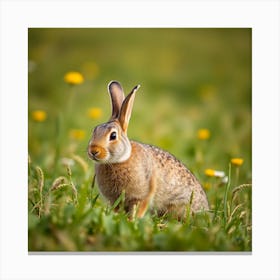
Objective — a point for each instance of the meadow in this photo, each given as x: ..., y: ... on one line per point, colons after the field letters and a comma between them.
x: 194, y: 101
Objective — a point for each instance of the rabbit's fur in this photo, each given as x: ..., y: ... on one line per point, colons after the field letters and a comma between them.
x: 149, y: 176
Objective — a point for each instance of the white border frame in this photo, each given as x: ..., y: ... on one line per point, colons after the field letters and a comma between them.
x: 17, y: 16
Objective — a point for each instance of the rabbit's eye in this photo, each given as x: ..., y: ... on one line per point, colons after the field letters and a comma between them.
x: 113, y: 136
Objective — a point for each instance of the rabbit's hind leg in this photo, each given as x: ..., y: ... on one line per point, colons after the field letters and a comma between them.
x: 144, y: 204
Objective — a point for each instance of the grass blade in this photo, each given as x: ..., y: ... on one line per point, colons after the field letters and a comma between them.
x: 226, y: 195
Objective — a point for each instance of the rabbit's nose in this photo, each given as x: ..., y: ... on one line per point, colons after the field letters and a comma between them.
x: 95, y: 152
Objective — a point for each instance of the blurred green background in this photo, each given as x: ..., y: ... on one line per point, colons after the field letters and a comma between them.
x: 191, y: 79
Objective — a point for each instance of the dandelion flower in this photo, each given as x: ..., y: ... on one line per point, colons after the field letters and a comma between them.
x: 214, y: 173
x: 77, y: 134
x: 73, y: 78
x: 203, y: 134
x: 94, y: 113
x: 237, y: 161
x: 209, y: 172
x: 39, y: 115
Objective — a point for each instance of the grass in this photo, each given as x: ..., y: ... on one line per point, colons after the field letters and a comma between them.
x: 191, y: 79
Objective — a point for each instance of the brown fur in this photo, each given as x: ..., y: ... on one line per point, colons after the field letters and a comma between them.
x: 151, y: 176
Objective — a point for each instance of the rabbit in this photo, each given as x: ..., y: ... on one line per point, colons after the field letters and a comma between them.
x: 151, y: 177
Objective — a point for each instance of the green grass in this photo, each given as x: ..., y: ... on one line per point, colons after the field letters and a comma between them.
x: 190, y: 79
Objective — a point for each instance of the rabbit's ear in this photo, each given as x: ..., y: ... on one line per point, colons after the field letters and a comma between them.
x: 117, y: 96
x: 126, y: 109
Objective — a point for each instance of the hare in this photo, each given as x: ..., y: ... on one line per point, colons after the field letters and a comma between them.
x: 151, y: 178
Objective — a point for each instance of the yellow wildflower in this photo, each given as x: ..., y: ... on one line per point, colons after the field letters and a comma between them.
x: 214, y: 173
x: 237, y: 161
x: 94, y: 113
x: 39, y: 115
x: 203, y: 134
x: 73, y: 78
x: 209, y: 172
x: 77, y: 134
